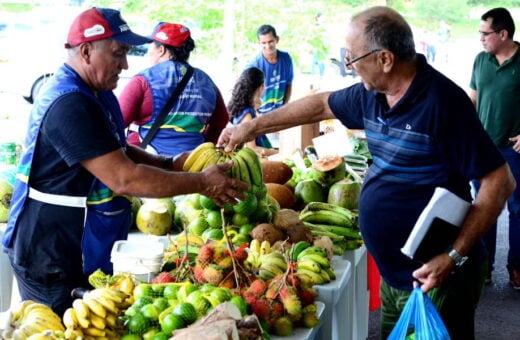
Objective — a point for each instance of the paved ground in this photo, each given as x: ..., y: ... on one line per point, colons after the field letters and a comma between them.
x: 498, y: 314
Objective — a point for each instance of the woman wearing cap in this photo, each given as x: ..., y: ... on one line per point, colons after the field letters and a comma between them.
x: 198, y: 115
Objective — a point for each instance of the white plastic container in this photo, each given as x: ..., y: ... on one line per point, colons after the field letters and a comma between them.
x: 141, y: 258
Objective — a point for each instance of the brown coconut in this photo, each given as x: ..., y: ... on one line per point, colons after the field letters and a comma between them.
x: 267, y: 232
x: 276, y: 172
x: 282, y: 194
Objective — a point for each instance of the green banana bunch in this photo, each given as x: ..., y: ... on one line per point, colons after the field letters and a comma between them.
x: 313, y: 266
x: 272, y: 264
x: 335, y: 222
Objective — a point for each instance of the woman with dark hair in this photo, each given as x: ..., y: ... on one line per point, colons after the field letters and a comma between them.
x: 198, y: 115
x: 244, y: 103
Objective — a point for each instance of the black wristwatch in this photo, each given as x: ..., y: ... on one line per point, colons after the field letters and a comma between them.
x: 459, y: 259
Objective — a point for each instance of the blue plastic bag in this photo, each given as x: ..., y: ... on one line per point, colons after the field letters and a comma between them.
x: 419, y: 320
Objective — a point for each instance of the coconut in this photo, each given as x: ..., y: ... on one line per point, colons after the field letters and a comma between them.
x: 328, y: 170
x: 345, y: 193
x: 154, y: 218
x: 309, y: 190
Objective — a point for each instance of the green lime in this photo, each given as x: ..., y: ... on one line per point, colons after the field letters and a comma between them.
x: 213, y: 234
x: 130, y: 337
x: 161, y: 303
x: 239, y: 219
x: 171, y: 322
x: 150, y: 333
x: 138, y: 324
x: 240, y: 239
x: 142, y: 301
x: 194, y: 201
x: 158, y: 289
x: 186, y: 311
x: 170, y: 291
x: 245, y: 229
x: 161, y: 336
x: 207, y: 203
x: 240, y: 303
x: 185, y: 290
x: 150, y: 311
x: 248, y: 206
x: 197, y: 226
x: 214, y: 218
x: 143, y: 289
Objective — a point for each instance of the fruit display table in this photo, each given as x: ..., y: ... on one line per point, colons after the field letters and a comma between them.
x: 334, y: 296
x: 306, y: 333
x: 358, y: 295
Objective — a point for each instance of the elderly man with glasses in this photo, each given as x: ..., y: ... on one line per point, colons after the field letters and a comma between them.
x: 495, y: 91
x: 423, y: 133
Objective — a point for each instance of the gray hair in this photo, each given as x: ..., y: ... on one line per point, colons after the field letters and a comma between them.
x: 385, y: 28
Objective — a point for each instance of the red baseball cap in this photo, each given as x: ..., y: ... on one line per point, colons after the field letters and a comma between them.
x: 102, y: 23
x: 171, y: 34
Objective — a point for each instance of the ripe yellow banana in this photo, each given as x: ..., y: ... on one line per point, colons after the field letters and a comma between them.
x: 126, y: 286
x: 81, y: 308
x: 111, y: 320
x: 94, y: 306
x: 254, y: 246
x: 114, y: 295
x: 93, y: 331
x: 193, y: 240
x: 211, y: 160
x: 309, y: 265
x: 105, y: 301
x: 265, y: 247
x: 195, y: 154
x: 97, y: 321
x: 73, y: 334
x: 70, y: 320
x: 199, y: 163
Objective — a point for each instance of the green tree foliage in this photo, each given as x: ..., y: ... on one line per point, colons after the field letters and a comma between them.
x: 451, y: 11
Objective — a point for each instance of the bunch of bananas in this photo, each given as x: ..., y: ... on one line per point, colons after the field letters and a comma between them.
x: 271, y: 265
x: 246, y: 164
x: 30, y: 318
x: 336, y: 222
x: 312, y: 264
x: 121, y: 281
x: 256, y: 250
x: 96, y: 314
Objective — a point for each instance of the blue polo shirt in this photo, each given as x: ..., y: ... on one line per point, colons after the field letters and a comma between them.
x: 431, y: 137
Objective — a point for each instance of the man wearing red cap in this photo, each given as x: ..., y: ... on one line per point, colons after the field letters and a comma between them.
x: 198, y: 115
x: 75, y: 142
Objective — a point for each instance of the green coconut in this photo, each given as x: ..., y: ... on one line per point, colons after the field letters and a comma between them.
x: 154, y: 218
x: 345, y: 193
x: 328, y: 170
x: 309, y: 190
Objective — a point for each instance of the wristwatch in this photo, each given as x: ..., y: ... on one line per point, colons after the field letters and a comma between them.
x: 459, y: 260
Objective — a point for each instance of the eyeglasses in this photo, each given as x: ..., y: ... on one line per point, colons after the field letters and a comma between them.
x: 485, y: 34
x: 349, y: 63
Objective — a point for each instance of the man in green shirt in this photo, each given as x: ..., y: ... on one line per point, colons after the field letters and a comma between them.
x: 495, y: 91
